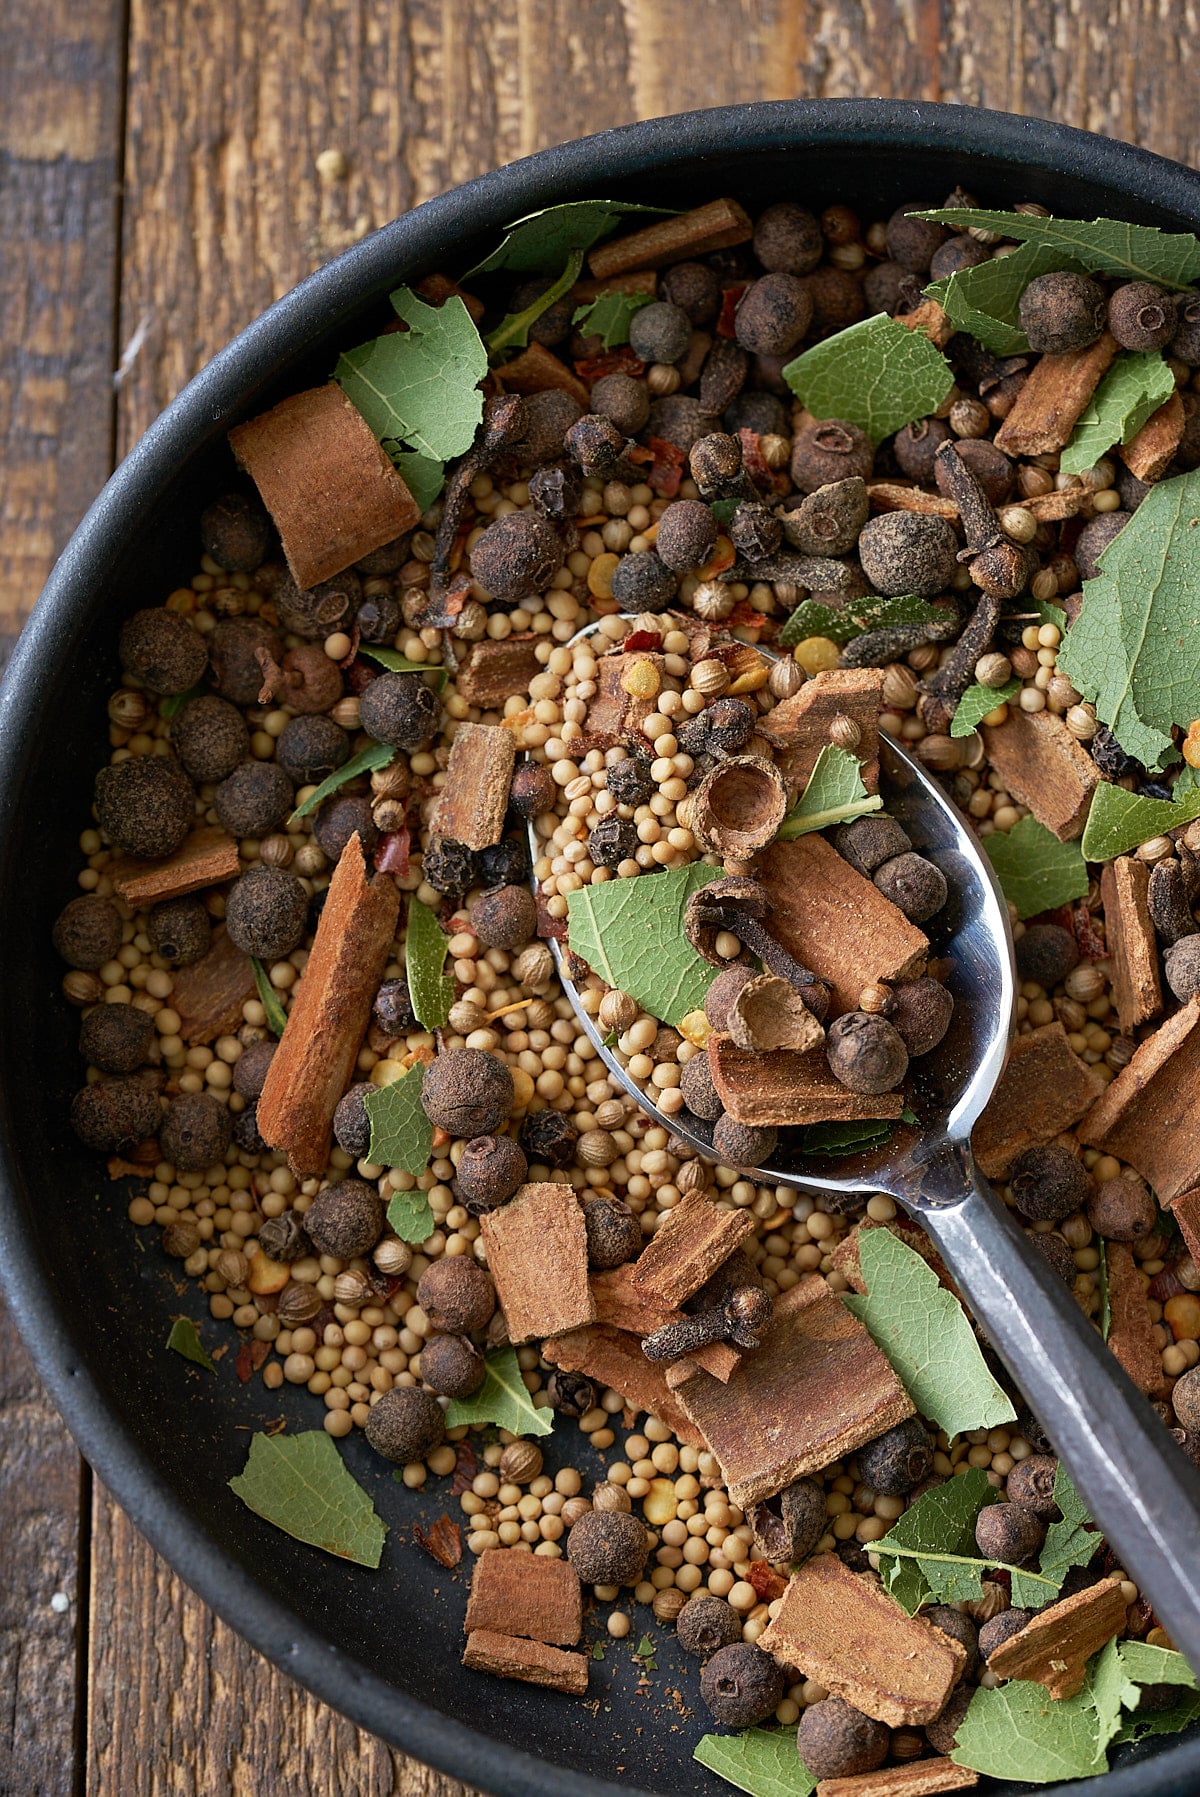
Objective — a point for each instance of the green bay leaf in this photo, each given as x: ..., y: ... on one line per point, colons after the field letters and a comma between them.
x: 502, y: 1399
x: 1134, y: 649
x: 877, y: 374
x: 1068, y: 1543
x: 431, y: 990
x: 537, y: 243
x: 842, y: 1138
x: 762, y: 1761
x: 420, y: 387
x: 1035, y: 869
x: 1132, y: 390
x: 300, y: 1483
x: 983, y: 301
x: 608, y: 317
x: 376, y: 755
x: 811, y: 618
x: 1146, y: 1664
x: 423, y: 475
x: 410, y: 1214
x: 513, y: 331
x: 929, y: 1555
x: 630, y: 932
x: 923, y: 1331
x: 401, y: 1133
x: 1103, y: 245
x: 976, y: 703
x: 1020, y: 1731
x: 1119, y: 821
x: 834, y: 794
x: 268, y: 998
x: 184, y: 1339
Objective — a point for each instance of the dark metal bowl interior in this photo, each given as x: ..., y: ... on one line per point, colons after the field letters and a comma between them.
x: 382, y: 1647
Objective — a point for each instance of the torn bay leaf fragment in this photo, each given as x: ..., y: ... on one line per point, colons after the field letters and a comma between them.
x: 300, y: 1483
x: 877, y: 374
x: 630, y: 932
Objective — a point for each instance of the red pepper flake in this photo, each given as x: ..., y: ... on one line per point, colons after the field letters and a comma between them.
x: 666, y: 471
x: 359, y: 674
x: 744, y: 617
x: 391, y: 856
x: 1091, y: 946
x: 442, y: 1542
x: 731, y: 299
x: 250, y: 1357
x: 549, y: 927
x: 767, y: 480
x: 766, y: 1581
x: 465, y: 1468
x: 354, y: 641
x: 613, y: 361
x: 642, y: 639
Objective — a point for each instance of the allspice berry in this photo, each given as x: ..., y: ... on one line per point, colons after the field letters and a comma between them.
x: 960, y: 1628
x: 741, y: 1685
x: 787, y: 238
x: 914, y: 885
x: 490, y: 1171
x: 88, y: 931
x: 266, y: 912
x: 1008, y: 1534
x: 696, y: 1084
x: 642, y: 582
x: 837, y: 1741
x: 456, y: 1294
x: 898, y: 1460
x: 1185, y: 1397
x: 235, y: 531
x: 342, y: 816
x: 250, y: 1069
x: 659, y: 332
x: 1046, y: 953
x: 116, y: 1038
x: 505, y: 918
x: 920, y: 1014
x: 195, y: 1132
x: 828, y: 521
x: 773, y: 314
x: 717, y: 1004
x: 830, y: 450
x: 789, y: 1526
x: 695, y: 289
x: 1181, y: 964
x: 870, y: 841
x: 210, y: 738
x: 253, y: 799
x: 468, y: 1092
x: 1048, y: 1183
x: 113, y: 1114
x: 608, y: 1547
x: 233, y: 651
x: 942, y: 1732
x: 1060, y: 312
x: 312, y: 747
x: 1094, y: 539
x: 865, y: 1053
x: 623, y: 400
x: 400, y: 709
x: 533, y: 790
x: 165, y: 652
x: 351, y: 1124
x: 345, y: 1219
x: 614, y: 1234
x: 706, y: 1624
x: 180, y: 930
x: 742, y: 1144
x: 1122, y: 1209
x: 406, y: 1424
x: 145, y: 805
x: 687, y: 535
x: 907, y: 552
x: 516, y: 556
x: 1031, y: 1484
x: 911, y: 241
x: 999, y: 1629
x: 452, y: 1366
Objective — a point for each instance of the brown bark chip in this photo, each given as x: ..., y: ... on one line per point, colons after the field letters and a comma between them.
x: 615, y: 707
x: 206, y: 857
x: 924, y: 1778
x: 1052, y: 1649
x: 1150, y: 453
x: 712, y: 227
x: 1044, y: 767
x: 537, y: 1254
x: 798, y: 728
x: 621, y: 1304
x: 1150, y: 1114
x: 786, y: 1089
x: 612, y: 1357
x: 208, y: 996
x: 491, y: 672
x: 836, y: 922
x: 318, y: 1052
x: 1185, y: 1208
x: 479, y: 773
x: 931, y: 321
x: 507, y: 1656
x: 1044, y: 1089
x: 1131, y: 1327
x: 537, y: 370
x: 895, y: 496
x: 327, y: 483
x: 692, y: 1241
x: 1129, y: 933
x: 844, y: 1631
x: 524, y: 1594
x: 1050, y: 403
x: 816, y: 1389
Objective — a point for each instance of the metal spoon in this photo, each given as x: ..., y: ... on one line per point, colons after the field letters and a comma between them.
x: 1140, y: 1488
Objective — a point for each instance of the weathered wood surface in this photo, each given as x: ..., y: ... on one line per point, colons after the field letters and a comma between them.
x: 227, y: 104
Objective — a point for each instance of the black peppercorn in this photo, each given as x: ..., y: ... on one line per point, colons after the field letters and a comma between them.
x: 1046, y: 954
x: 165, y: 652
x: 233, y: 649
x: 195, y: 1132
x: 865, y: 1053
x: 678, y: 419
x: 706, y: 1624
x: 490, y: 1171
x: 835, y: 1740
x: 912, y: 241
x: 532, y: 791
x: 310, y: 748
x: 692, y: 287
x: 742, y: 1144
x: 113, y: 1114
x: 1007, y: 1534
x: 755, y: 531
x: 1094, y: 539
x: 629, y: 782
x: 88, y: 932
x: 283, y: 1238
x: 596, y: 445
x: 722, y: 728
x: 741, y: 1684
x: 379, y: 618
x: 787, y: 238
x: 921, y: 1014
x: 898, y: 1460
x: 345, y: 1219
x: 956, y: 255
x: 773, y: 314
x: 660, y: 332
x: 254, y: 799
x: 699, y: 1093
x: 400, y: 709
x: 467, y: 1092
x: 1060, y: 312
x: 504, y: 863
x: 235, y: 531
x: 315, y: 611
x: 516, y: 556
x: 907, y: 552
x: 145, y: 805
x: 246, y: 1135
x: 548, y: 418
x: 351, y: 1124
x: 828, y: 451
x: 998, y: 1629
x: 642, y: 582
x: 452, y: 1366
x: 505, y: 918
x: 913, y: 884
x: 789, y: 1526
x: 392, y: 1010
x: 570, y: 1393
x: 210, y: 738
x: 687, y: 535
x: 761, y: 413
x: 266, y: 912
x: 406, y: 1424
x: 624, y: 401
x: 1031, y: 1484
x: 613, y: 840
x: 614, y: 1234
x: 116, y: 1038
x: 549, y: 1138
x: 449, y: 866
x: 1048, y: 1183
x: 608, y: 1547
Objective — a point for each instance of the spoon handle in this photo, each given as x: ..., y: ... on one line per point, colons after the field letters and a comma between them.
x: 1140, y: 1488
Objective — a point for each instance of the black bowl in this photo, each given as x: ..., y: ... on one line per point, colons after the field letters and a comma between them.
x: 382, y: 1647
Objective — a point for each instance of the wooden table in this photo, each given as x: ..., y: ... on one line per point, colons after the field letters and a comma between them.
x: 158, y: 188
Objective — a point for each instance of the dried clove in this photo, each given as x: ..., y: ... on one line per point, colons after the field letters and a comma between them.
x: 943, y: 690
x: 738, y: 906
x: 998, y: 566
x: 504, y: 423
x: 879, y: 648
x: 740, y: 1320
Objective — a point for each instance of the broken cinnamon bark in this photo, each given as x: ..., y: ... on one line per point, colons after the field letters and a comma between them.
x: 1053, y: 1648
x: 329, y: 486
x: 1044, y: 1089
x: 783, y: 1089
x: 638, y: 280
x: 712, y: 227
x: 817, y: 1388
x: 620, y: 1303
x: 895, y: 496
x: 923, y: 1778
x: 844, y: 1631
x: 525, y: 1594
x: 691, y: 1242
x: 1050, y: 403
x: 627, y: 691
x: 835, y: 921
x: 929, y: 319
x: 1052, y: 508
x: 614, y: 1358
x: 507, y: 1656
x: 1129, y: 933
x: 474, y: 799
x: 1151, y: 451
x: 208, y: 996
x: 1185, y: 1208
x: 1150, y: 1114
x: 205, y: 858
x: 537, y: 1254
x: 798, y: 728
x: 1131, y: 1327
x: 318, y: 1052
x: 491, y: 672
x: 1044, y: 767
x: 537, y: 370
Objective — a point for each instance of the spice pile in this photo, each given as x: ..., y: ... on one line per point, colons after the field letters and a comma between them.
x: 942, y: 466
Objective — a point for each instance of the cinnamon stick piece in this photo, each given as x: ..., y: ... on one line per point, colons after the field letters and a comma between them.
x: 490, y: 671
x: 894, y: 496
x: 318, y: 1051
x: 1129, y: 933
x: 691, y: 1242
x: 1053, y: 1648
x: 613, y: 1358
x: 712, y: 227
x: 1151, y: 451
x: 478, y: 775
x: 537, y: 370
x: 620, y: 1303
x: 205, y: 857
x: 1185, y: 1208
x: 1150, y: 1114
x: 929, y: 319
x: 923, y: 1778
x: 1049, y: 405
x: 506, y: 1656
x: 815, y: 1389
x: 537, y: 1254
x: 1044, y: 1089
x: 525, y: 1594
x: 784, y: 1090
x: 208, y: 996
x: 1131, y: 1327
x: 798, y: 728
x: 1044, y: 767
x: 845, y: 1632
x: 327, y: 483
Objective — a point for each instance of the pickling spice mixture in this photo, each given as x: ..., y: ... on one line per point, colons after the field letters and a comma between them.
x: 810, y: 478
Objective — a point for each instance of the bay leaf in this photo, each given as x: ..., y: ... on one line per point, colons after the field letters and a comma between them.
x: 375, y: 755
x: 513, y: 330
x: 1068, y: 1543
x: 410, y: 1214
x: 1105, y: 246
x: 976, y: 703
x: 630, y: 932
x: 983, y: 301
x: 834, y: 794
x: 502, y: 1399
x: 1019, y: 1731
x: 876, y: 374
x: 184, y: 1339
x: 431, y: 990
x: 1130, y: 393
x: 395, y: 663
x: 401, y: 1133
x: 269, y: 999
x: 420, y: 387
x: 423, y: 475
x: 1035, y: 869
x: 762, y: 1761
x: 1118, y: 821
x: 537, y: 243
x: 608, y: 317
x: 301, y: 1484
x: 929, y: 1555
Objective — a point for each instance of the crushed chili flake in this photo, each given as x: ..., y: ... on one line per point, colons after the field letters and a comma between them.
x: 731, y: 299
x: 664, y: 465
x: 348, y: 661
x: 359, y: 674
x: 744, y: 617
x: 643, y: 639
x: 768, y: 1583
x: 391, y: 856
x: 613, y: 361
x: 442, y: 1541
x: 251, y: 1356
x: 465, y: 1468
x: 766, y: 479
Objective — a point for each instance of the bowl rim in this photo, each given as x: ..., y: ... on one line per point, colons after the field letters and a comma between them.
x: 228, y: 384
